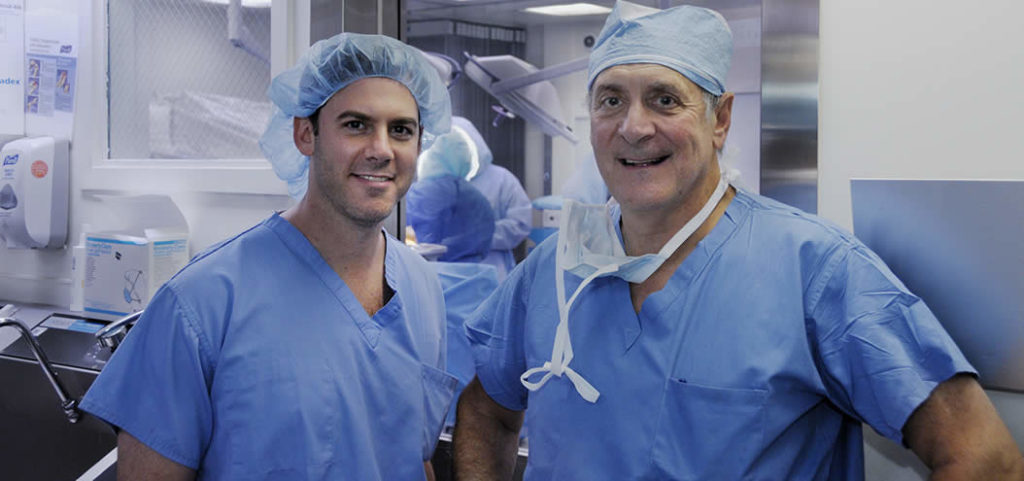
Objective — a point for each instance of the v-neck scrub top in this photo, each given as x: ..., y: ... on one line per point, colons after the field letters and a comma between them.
x: 758, y: 360
x: 256, y: 361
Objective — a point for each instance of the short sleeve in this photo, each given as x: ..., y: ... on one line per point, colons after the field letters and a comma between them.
x: 881, y: 349
x: 155, y: 386
x: 495, y: 335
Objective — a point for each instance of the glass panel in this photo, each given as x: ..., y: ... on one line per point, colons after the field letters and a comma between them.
x: 187, y: 78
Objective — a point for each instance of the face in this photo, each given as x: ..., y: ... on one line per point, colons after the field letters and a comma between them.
x: 654, y: 144
x: 364, y: 156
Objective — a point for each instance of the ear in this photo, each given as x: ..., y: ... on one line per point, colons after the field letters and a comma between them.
x: 302, y: 134
x: 723, y: 119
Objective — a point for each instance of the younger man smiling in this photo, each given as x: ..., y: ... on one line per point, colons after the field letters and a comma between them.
x: 311, y: 346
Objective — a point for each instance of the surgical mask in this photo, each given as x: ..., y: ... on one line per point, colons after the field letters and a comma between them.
x: 589, y: 248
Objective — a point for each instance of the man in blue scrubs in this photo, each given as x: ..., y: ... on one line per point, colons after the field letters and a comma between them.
x: 692, y: 330
x: 311, y: 346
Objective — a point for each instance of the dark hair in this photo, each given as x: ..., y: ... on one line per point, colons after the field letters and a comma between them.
x: 314, y: 118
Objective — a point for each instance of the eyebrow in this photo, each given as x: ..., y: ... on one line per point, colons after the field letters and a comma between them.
x: 362, y: 117
x: 601, y: 88
x: 667, y: 87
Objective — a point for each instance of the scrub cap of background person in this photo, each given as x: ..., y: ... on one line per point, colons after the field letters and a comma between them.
x: 448, y: 210
x: 452, y: 154
x: 694, y: 41
x: 329, y: 66
x: 483, y: 152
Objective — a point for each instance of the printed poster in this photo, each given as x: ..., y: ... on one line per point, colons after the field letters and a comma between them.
x: 51, y: 66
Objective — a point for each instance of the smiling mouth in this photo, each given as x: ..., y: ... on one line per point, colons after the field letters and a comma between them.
x: 642, y: 162
x: 373, y: 178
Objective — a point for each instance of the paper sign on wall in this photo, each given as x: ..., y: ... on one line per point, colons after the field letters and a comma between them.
x: 51, y: 57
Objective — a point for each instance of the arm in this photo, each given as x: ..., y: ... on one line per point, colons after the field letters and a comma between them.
x: 515, y: 225
x: 959, y: 435
x: 486, y: 436
x: 137, y: 461
x: 429, y: 469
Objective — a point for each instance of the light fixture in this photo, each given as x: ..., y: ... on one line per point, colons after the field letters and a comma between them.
x: 569, y: 9
x: 245, y: 3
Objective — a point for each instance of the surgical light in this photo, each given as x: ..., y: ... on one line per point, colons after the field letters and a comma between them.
x: 524, y: 90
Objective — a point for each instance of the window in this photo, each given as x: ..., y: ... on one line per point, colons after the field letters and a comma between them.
x: 187, y: 79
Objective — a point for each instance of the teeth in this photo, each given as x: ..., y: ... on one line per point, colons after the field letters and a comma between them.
x: 640, y: 162
x: 374, y: 178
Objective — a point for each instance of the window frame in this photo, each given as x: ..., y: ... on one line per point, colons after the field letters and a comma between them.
x: 289, y: 39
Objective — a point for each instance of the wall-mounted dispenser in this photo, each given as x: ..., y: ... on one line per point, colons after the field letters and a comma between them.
x: 34, y: 193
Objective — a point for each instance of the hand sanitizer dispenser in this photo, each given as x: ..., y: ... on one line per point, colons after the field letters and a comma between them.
x: 34, y: 193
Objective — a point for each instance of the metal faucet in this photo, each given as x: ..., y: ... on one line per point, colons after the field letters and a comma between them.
x: 69, y: 405
x: 112, y: 334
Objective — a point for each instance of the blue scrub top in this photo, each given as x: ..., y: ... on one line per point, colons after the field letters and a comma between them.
x: 768, y: 346
x: 256, y: 361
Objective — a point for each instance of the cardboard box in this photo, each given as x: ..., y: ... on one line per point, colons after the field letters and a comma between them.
x: 124, y: 268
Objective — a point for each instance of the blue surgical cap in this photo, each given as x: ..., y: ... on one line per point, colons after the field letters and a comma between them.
x: 448, y: 210
x: 331, y: 65
x: 451, y: 154
x: 694, y: 41
x: 483, y: 152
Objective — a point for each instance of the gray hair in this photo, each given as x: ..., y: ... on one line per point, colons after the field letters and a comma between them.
x: 710, y: 104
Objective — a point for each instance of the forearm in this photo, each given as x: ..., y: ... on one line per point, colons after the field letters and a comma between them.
x: 1002, y: 467
x: 959, y: 435
x: 486, y: 439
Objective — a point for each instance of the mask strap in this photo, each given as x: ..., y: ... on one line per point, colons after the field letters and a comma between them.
x: 696, y: 221
x: 561, y: 350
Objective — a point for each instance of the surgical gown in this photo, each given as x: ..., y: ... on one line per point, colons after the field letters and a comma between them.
x: 513, y: 214
x: 770, y: 344
x: 256, y: 361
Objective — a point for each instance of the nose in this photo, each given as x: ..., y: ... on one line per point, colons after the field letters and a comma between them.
x: 379, y: 147
x: 637, y: 125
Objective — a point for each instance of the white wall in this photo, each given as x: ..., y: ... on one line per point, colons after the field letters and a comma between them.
x: 919, y: 89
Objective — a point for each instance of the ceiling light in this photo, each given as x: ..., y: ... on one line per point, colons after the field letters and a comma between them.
x: 569, y: 9
x: 245, y: 3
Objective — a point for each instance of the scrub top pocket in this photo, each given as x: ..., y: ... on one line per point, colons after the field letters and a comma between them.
x: 723, y: 425
x: 438, y: 391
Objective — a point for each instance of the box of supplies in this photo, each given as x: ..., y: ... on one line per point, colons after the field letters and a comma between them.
x: 125, y: 267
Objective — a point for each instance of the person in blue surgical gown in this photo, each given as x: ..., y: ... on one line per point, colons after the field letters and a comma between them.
x: 513, y: 213
x: 311, y: 346
x: 443, y: 208
x: 694, y: 330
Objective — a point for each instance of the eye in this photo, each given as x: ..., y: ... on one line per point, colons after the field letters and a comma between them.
x: 401, y: 132
x: 667, y: 101
x: 355, y: 124
x: 611, y: 102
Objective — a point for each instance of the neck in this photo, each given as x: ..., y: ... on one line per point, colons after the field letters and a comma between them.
x: 349, y: 248
x: 647, y: 231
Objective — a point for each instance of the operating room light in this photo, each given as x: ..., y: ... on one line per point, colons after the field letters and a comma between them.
x: 569, y: 9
